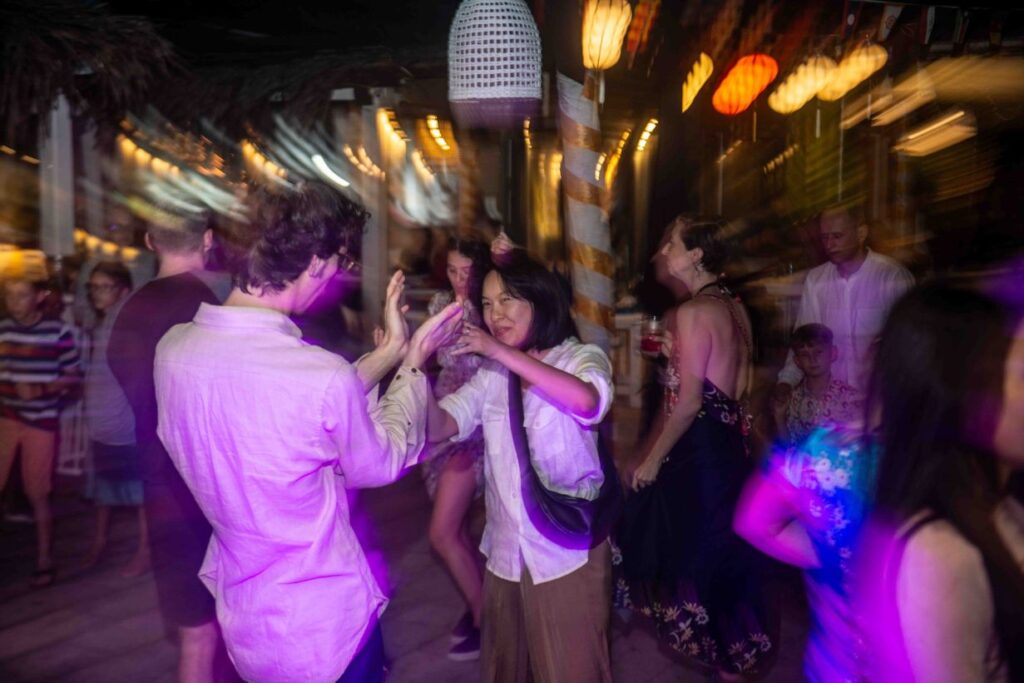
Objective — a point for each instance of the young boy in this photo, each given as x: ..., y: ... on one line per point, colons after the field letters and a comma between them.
x: 38, y: 364
x: 819, y: 399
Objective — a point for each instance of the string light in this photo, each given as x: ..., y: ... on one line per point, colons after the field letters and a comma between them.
x: 645, y: 135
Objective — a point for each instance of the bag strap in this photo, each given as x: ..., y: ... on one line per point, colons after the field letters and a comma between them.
x: 517, y: 419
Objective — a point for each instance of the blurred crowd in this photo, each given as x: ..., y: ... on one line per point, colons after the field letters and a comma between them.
x: 874, y: 443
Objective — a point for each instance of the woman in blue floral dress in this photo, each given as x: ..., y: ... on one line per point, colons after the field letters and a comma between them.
x: 679, y: 562
x: 454, y: 472
x: 807, y: 507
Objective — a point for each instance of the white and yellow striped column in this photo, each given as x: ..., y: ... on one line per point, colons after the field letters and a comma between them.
x: 593, y: 268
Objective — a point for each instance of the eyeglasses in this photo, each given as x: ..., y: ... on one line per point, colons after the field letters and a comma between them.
x: 348, y: 263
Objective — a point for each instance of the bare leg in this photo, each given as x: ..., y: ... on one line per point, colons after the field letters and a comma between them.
x: 44, y: 530
x: 99, y: 541
x: 139, y: 564
x: 455, y: 488
x: 198, y: 650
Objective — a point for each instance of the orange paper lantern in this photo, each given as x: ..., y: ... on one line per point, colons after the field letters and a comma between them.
x: 747, y: 79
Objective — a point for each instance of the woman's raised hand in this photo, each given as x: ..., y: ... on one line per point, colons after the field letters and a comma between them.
x: 439, y: 329
x: 476, y: 340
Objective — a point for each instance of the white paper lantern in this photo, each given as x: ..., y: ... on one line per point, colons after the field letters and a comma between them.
x: 494, y: 64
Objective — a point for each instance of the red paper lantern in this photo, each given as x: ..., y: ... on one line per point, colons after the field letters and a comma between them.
x: 747, y: 79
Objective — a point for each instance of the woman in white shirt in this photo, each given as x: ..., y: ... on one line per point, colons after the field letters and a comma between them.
x: 943, y: 567
x: 546, y: 607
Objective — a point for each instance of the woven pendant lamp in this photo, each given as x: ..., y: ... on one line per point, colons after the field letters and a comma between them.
x: 494, y: 64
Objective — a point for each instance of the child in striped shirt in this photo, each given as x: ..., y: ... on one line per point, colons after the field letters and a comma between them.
x: 39, y: 364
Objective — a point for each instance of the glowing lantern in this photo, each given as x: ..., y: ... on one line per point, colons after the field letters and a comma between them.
x: 744, y: 82
x: 853, y: 70
x: 699, y: 74
x: 802, y: 85
x: 494, y: 64
x: 604, y: 26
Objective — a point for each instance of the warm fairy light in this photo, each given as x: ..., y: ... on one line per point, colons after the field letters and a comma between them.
x: 363, y: 162
x: 604, y: 26
x: 526, y: 133
x: 29, y: 159
x: 781, y: 158
x: 747, y: 79
x: 645, y: 135
x: 732, y: 148
x: 434, y: 128
x: 853, y: 70
x: 600, y: 165
x: 699, y: 74
x: 6, y: 150
x: 802, y: 85
x: 259, y: 161
x: 422, y: 168
x: 612, y: 166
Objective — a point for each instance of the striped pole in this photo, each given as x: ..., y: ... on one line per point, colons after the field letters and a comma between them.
x: 593, y: 269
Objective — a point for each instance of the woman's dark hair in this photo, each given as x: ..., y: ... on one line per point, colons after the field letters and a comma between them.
x: 116, y: 271
x: 479, y: 252
x: 707, y: 234
x: 526, y: 279
x: 287, y: 228
x: 937, y: 385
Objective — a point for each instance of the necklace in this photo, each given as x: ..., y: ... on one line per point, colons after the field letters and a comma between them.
x: 713, y: 283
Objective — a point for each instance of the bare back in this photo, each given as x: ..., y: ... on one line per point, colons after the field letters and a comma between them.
x: 721, y: 341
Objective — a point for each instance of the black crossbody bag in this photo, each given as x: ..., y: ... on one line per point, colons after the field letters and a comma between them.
x: 569, y: 521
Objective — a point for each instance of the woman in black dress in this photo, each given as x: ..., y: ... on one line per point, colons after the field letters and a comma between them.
x: 680, y: 562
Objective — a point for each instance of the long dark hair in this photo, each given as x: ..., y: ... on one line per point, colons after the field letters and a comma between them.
x: 527, y: 279
x: 937, y: 385
x: 479, y: 252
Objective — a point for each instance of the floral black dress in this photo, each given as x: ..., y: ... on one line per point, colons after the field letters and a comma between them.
x: 677, y: 559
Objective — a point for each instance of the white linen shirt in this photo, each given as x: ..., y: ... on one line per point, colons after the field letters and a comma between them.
x: 268, y: 431
x: 854, y: 308
x: 563, y: 448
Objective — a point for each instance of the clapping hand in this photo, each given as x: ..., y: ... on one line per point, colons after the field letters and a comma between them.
x: 396, y: 330
x: 437, y: 330
x: 476, y: 340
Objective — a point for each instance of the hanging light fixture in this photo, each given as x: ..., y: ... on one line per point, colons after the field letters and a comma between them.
x: 604, y: 26
x: 853, y: 70
x: 494, y: 60
x: 802, y: 85
x: 699, y: 74
x: 745, y: 81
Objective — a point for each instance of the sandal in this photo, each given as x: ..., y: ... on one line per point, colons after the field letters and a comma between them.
x: 41, y: 578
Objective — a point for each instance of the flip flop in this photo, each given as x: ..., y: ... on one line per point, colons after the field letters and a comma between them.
x: 41, y: 578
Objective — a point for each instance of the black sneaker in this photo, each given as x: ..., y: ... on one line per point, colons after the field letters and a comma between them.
x: 468, y: 650
x: 463, y: 627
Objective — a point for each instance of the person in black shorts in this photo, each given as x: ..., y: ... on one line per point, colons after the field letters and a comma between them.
x: 179, y: 533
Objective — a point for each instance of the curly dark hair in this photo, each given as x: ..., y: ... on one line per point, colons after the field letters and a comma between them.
x: 287, y: 228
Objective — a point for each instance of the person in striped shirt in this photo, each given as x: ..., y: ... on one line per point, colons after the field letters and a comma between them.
x: 39, y: 364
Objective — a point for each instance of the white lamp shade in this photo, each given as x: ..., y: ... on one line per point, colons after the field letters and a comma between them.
x: 494, y: 64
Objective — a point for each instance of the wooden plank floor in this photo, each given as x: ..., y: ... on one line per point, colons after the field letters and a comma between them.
x: 93, y: 626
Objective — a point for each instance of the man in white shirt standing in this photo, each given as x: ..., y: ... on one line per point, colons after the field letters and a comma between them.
x: 850, y: 294
x: 268, y: 432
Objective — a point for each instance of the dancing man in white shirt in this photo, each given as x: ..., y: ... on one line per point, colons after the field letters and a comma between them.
x: 850, y: 294
x: 268, y: 432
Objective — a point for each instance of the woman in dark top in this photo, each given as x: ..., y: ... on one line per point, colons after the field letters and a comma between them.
x: 680, y: 563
